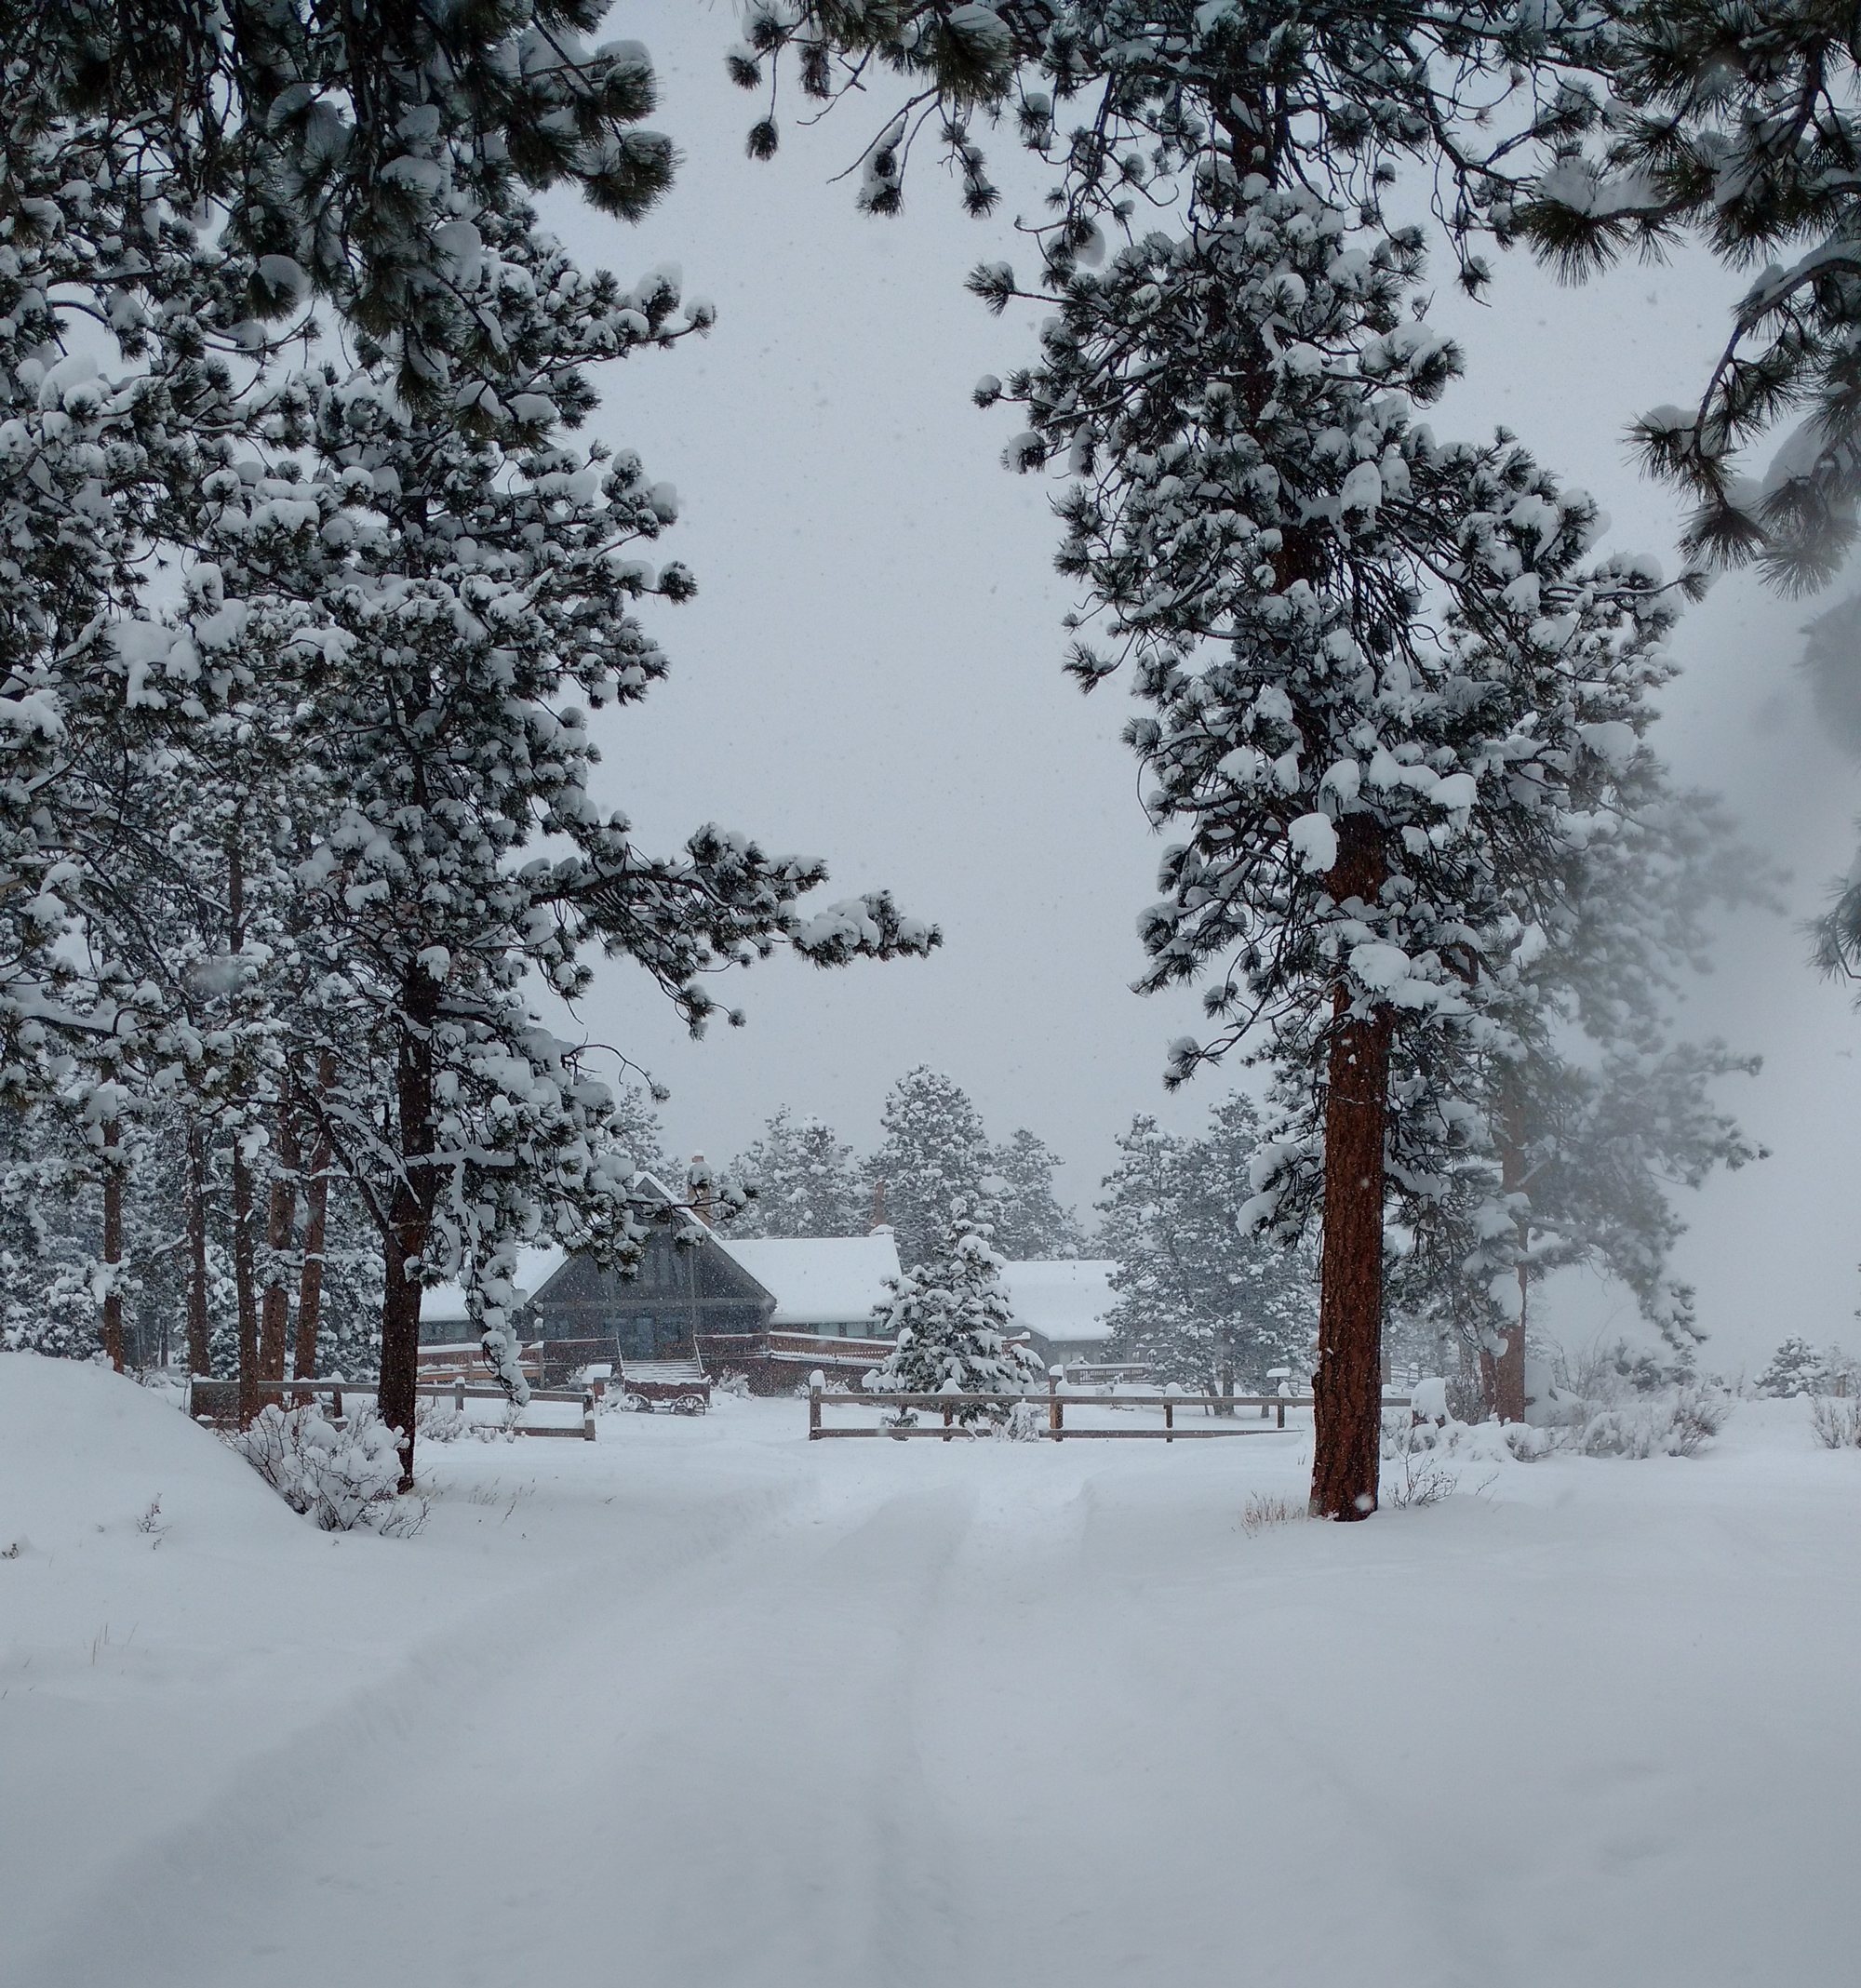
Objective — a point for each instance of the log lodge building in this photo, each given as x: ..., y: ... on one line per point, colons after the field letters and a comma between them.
x: 770, y: 1310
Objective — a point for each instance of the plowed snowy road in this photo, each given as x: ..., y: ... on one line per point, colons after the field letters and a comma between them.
x: 700, y: 1704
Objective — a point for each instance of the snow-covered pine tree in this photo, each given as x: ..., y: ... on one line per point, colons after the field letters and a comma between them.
x: 934, y: 1152
x: 1796, y: 1367
x: 1738, y: 127
x: 1590, y: 1109
x: 1233, y: 395
x: 638, y: 1132
x: 805, y: 1182
x: 350, y: 153
x: 1378, y: 667
x: 952, y: 1325
x: 1199, y: 1298
x: 436, y: 589
x: 1031, y: 1224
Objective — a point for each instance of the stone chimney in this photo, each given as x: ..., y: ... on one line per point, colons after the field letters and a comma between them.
x: 878, y: 1221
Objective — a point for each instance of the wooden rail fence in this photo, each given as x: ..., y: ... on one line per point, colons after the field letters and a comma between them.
x: 205, y: 1398
x: 947, y: 1428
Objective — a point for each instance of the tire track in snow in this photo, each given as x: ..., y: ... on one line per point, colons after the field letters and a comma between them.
x: 172, y: 1908
x: 536, y: 1798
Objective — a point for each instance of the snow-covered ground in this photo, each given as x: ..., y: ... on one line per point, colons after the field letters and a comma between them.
x: 701, y: 1706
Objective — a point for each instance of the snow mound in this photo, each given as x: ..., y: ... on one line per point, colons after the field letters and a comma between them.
x: 84, y: 1452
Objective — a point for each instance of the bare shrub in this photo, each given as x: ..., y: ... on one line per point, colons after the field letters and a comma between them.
x: 1420, y: 1481
x: 1837, y: 1422
x: 1699, y: 1415
x: 1261, y: 1511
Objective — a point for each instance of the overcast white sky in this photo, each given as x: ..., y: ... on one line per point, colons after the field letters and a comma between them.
x: 871, y: 673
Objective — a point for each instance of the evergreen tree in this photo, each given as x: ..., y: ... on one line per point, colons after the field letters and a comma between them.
x: 933, y: 1153
x: 638, y: 1132
x: 1796, y: 1368
x: 439, y: 587
x: 1031, y: 1224
x: 1380, y: 671
x: 1737, y: 125
x: 805, y: 1182
x: 1198, y: 1299
x: 952, y: 1325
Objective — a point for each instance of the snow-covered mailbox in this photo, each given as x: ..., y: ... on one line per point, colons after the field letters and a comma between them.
x: 1063, y: 1304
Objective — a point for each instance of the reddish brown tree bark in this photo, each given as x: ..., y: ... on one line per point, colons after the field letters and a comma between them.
x: 1347, y: 1388
x: 200, y: 1336
x: 245, y: 1278
x: 112, y: 1245
x: 1508, y: 1367
x: 317, y: 1216
x: 280, y: 1225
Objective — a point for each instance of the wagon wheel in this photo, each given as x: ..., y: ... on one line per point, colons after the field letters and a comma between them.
x: 690, y: 1405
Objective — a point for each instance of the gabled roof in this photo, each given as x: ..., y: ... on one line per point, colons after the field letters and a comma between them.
x: 818, y: 1280
x: 1066, y: 1300
x: 444, y: 1303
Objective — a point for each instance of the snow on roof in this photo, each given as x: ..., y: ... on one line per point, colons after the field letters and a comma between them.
x: 444, y: 1303
x: 819, y: 1280
x: 1066, y: 1301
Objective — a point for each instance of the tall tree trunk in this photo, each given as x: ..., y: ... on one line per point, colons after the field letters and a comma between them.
x: 199, y: 1335
x: 280, y: 1225
x: 244, y: 1270
x: 410, y: 1215
x: 244, y: 1280
x: 1347, y: 1389
x: 317, y: 1215
x: 112, y: 1245
x: 1508, y: 1370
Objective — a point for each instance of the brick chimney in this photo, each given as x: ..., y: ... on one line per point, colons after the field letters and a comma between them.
x: 698, y: 1188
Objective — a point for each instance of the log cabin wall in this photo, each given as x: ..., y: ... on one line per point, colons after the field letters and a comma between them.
x: 680, y: 1293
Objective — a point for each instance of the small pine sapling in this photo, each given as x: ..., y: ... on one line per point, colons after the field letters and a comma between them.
x: 953, y: 1326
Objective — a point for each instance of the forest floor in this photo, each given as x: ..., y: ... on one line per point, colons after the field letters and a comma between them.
x: 703, y: 1705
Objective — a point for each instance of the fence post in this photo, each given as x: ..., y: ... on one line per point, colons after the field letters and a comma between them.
x: 459, y: 1397
x: 1168, y: 1420
x: 1282, y: 1412
x: 588, y: 1414
x: 816, y: 1381
x: 950, y: 1418
x: 1056, y: 1414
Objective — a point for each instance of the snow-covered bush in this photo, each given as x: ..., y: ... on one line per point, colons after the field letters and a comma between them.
x: 1679, y: 1424
x: 433, y: 1422
x: 735, y: 1385
x: 1418, y: 1441
x: 1026, y: 1421
x: 1837, y: 1422
x: 340, y: 1477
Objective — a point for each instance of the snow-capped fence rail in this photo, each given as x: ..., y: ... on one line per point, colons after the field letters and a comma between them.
x: 217, y: 1401
x: 945, y: 1406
